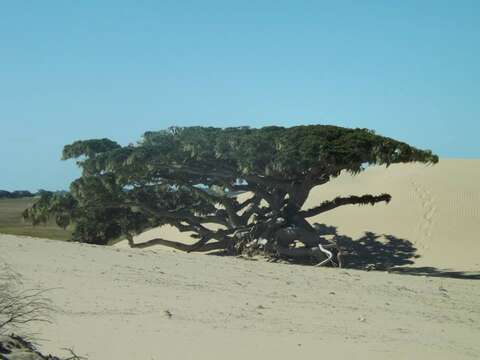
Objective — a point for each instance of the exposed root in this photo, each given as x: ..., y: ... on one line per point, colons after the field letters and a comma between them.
x: 245, y: 242
x: 329, y: 256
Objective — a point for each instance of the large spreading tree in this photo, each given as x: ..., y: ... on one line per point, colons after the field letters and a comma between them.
x: 191, y: 178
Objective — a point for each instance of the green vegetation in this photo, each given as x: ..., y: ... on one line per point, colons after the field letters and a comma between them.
x: 12, y: 222
x: 186, y: 177
x: 4, y: 194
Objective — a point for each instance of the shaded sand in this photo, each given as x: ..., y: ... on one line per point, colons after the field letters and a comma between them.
x: 124, y: 304
x: 431, y: 226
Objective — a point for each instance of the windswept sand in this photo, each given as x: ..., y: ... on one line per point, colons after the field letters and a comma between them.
x: 118, y: 303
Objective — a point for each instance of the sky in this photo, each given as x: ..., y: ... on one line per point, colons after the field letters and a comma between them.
x: 72, y: 70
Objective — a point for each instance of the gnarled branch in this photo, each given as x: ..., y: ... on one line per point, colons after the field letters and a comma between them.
x: 341, y: 201
x: 180, y: 246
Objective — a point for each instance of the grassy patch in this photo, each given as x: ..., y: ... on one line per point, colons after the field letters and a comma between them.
x: 11, y: 221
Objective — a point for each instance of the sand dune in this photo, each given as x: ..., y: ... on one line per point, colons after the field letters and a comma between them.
x: 436, y: 208
x: 119, y: 303
x: 433, y: 218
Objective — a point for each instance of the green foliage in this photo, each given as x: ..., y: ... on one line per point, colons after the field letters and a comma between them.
x: 62, y: 205
x: 88, y: 148
x: 184, y: 177
x: 281, y: 152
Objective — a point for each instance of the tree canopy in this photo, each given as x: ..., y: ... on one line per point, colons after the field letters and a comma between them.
x: 190, y: 176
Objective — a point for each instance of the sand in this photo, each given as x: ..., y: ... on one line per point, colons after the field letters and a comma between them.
x: 437, y: 208
x: 119, y: 303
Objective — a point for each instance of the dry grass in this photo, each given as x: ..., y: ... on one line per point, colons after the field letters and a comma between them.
x: 20, y: 307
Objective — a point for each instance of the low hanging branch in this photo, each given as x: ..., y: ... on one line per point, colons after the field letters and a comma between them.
x: 341, y: 201
x: 251, y: 184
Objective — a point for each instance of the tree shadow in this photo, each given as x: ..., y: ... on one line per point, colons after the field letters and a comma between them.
x: 370, y: 252
x: 386, y: 253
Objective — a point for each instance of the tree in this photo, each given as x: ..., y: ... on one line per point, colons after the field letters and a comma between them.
x: 15, y: 194
x: 190, y: 177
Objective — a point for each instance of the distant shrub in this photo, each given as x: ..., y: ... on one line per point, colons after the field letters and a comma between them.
x: 17, y: 194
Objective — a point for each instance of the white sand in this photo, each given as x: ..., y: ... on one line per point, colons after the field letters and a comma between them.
x: 117, y: 303
x: 437, y: 208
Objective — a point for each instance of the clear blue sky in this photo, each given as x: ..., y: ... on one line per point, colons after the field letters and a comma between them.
x: 73, y: 70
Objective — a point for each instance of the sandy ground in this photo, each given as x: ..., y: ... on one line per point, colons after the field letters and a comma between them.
x: 118, y: 303
x: 132, y: 304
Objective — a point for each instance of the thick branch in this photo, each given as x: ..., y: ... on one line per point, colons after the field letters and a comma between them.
x: 268, y: 181
x: 230, y: 206
x: 180, y: 246
x: 252, y: 207
x: 341, y: 201
x: 182, y: 214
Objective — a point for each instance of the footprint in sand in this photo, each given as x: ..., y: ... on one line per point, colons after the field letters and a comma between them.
x: 425, y: 224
